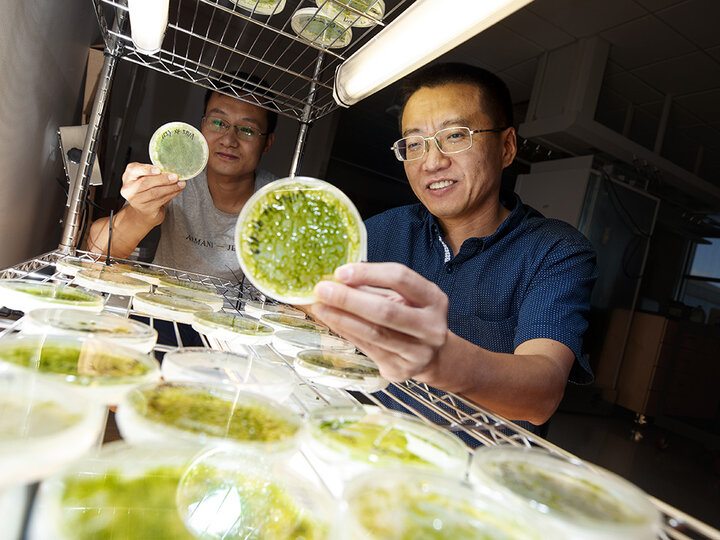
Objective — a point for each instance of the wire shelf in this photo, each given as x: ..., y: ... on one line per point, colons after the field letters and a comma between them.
x: 208, y: 42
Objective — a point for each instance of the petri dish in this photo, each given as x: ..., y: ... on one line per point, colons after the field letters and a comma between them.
x: 72, y: 266
x: 35, y: 416
x: 25, y: 295
x: 215, y: 301
x: 400, y: 503
x: 335, y: 9
x: 352, y: 439
x: 293, y: 233
x: 225, y: 494
x: 197, y: 414
x: 229, y: 327
x: 351, y: 371
x: 290, y: 322
x: 243, y: 371
x: 163, y: 306
x: 177, y: 147
x: 144, y: 273
x: 81, y: 324
x: 291, y: 342
x: 119, y: 491
x: 258, y: 309
x: 580, y: 501
x: 190, y: 286
x: 261, y: 7
x: 104, y: 371
x: 111, y: 282
x: 320, y: 29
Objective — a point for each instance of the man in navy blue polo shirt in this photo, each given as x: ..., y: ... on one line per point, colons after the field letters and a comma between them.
x: 470, y: 291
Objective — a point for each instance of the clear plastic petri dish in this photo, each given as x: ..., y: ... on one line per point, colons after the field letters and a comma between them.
x: 144, y: 273
x: 190, y: 286
x: 197, y: 414
x: 258, y: 309
x: 243, y: 371
x: 104, y: 371
x: 293, y: 233
x: 320, y: 29
x: 230, y: 327
x: 291, y: 342
x: 289, y: 322
x: 336, y: 10
x: 225, y: 494
x: 261, y: 7
x: 215, y: 301
x: 177, y: 147
x: 164, y: 306
x: 579, y: 501
x: 120, y: 491
x: 111, y: 282
x: 82, y: 324
x: 351, y: 371
x: 352, y: 440
x: 406, y: 503
x: 71, y: 266
x: 43, y: 427
x: 24, y: 295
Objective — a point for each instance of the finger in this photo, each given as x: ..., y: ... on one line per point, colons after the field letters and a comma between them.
x: 135, y: 170
x: 152, y: 187
x: 409, y: 284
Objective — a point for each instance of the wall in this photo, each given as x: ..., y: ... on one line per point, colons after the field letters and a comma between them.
x: 43, y: 50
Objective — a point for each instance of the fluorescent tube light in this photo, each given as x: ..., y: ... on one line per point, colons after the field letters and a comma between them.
x: 425, y: 30
x: 148, y: 20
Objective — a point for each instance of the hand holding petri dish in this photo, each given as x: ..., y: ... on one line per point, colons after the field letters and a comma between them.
x: 179, y: 148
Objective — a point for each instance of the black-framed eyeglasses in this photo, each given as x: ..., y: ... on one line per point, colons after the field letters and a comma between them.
x: 218, y: 125
x: 449, y: 141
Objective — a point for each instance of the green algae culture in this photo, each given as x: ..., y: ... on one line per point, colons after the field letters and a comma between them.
x: 252, y: 506
x: 294, y: 232
x: 26, y: 295
x: 179, y: 148
x: 235, y: 324
x: 320, y: 29
x: 349, y: 365
x: 261, y: 7
x: 334, y: 8
x: 22, y: 418
x: 290, y: 322
x: 113, y: 505
x: 202, y: 410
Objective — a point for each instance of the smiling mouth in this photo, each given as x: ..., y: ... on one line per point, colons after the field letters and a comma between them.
x: 441, y: 184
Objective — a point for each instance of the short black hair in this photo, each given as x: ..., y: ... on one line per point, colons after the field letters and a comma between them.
x: 493, y: 91
x: 252, y: 84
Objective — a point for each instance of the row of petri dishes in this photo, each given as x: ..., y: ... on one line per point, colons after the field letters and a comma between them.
x: 328, y: 25
x: 214, y: 449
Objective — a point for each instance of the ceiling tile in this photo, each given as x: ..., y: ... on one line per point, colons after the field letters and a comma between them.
x: 708, y: 136
x: 632, y: 88
x: 658, y: 42
x: 682, y: 118
x: 498, y: 47
x: 693, y: 72
x: 525, y: 23
x: 706, y: 105
x: 582, y: 18
x: 654, y: 5
x: 714, y: 52
x: 695, y: 19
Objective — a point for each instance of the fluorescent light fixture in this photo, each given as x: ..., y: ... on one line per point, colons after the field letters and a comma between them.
x: 148, y: 20
x: 425, y: 30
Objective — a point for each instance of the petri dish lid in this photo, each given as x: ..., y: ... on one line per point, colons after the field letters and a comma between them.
x: 377, y: 437
x: 258, y: 309
x: 246, y: 372
x: 586, y: 502
x: 198, y: 414
x: 35, y: 416
x: 169, y: 281
x: 215, y: 301
x: 164, y: 306
x: 351, y: 371
x: 261, y: 7
x: 291, y: 342
x: 277, y: 232
x: 71, y: 266
x: 406, y: 503
x: 26, y: 295
x: 81, y: 324
x: 289, y: 322
x: 228, y: 494
x: 177, y: 147
x: 144, y: 273
x: 118, y: 491
x: 230, y: 327
x: 104, y: 371
x: 320, y: 29
x: 111, y: 282
x: 335, y: 10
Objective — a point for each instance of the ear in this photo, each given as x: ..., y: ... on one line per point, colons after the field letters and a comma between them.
x: 509, y: 146
x: 269, y: 142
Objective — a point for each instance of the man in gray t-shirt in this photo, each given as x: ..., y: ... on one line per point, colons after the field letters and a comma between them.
x: 197, y: 217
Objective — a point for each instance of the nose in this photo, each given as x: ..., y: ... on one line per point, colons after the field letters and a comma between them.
x: 434, y: 159
x: 230, y: 138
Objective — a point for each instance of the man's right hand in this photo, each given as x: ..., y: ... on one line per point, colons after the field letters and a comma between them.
x: 148, y: 191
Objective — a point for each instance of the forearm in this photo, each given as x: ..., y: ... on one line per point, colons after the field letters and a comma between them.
x: 128, y: 228
x: 517, y: 386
